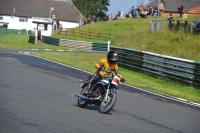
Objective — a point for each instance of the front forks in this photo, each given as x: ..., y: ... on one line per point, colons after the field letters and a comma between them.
x: 106, y: 97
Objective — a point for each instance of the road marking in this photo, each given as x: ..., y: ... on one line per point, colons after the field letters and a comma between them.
x: 48, y: 49
x: 148, y: 91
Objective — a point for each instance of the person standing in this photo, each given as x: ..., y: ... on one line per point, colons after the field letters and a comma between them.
x: 170, y: 17
x: 133, y: 13
x: 184, y: 15
x: 180, y: 10
x: 80, y: 20
x: 161, y: 8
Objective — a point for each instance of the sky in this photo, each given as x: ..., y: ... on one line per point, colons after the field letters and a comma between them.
x: 122, y: 5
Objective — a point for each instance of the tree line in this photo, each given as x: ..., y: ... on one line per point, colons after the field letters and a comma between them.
x: 97, y: 8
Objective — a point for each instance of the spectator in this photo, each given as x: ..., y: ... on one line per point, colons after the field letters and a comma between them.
x: 180, y: 10
x: 54, y: 24
x: 115, y: 17
x: 119, y: 15
x: 196, y: 27
x: 122, y: 15
x: 111, y: 17
x: 133, y: 13
x: 108, y: 17
x: 170, y: 17
x: 137, y: 12
x: 58, y: 24
x: 161, y: 8
x: 80, y: 20
x: 141, y: 8
x: 145, y: 13
x: 150, y: 10
x: 127, y: 15
x: 142, y: 14
x: 184, y: 15
x: 155, y: 11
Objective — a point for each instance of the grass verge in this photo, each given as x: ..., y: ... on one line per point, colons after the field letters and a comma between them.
x: 86, y: 62
x: 21, y: 42
x: 135, y: 34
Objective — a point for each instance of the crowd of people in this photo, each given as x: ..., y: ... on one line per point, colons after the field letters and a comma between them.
x: 151, y: 11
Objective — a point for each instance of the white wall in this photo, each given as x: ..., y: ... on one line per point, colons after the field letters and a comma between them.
x: 15, y: 24
x: 68, y: 24
x: 47, y: 33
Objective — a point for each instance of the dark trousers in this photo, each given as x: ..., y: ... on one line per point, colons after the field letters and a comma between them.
x: 181, y: 14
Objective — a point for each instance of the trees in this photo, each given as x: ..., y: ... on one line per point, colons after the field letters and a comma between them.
x: 140, y: 3
x: 89, y: 8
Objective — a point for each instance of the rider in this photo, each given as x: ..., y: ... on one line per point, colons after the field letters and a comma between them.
x: 105, y: 66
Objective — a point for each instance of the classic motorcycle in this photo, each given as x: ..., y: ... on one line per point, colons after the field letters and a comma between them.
x: 105, y: 90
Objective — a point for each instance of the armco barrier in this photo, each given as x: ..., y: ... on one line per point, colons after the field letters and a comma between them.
x: 31, y: 39
x: 82, y: 45
x: 177, y: 25
x: 178, y: 70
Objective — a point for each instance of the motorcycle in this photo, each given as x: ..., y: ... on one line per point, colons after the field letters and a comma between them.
x: 105, y: 90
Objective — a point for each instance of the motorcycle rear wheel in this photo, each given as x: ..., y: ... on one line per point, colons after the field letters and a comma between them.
x: 81, y: 102
x: 106, y: 106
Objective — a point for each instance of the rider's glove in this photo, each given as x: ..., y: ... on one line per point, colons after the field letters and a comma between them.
x: 122, y: 80
x: 102, y: 68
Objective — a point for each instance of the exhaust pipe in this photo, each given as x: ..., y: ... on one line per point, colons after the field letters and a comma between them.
x: 87, y: 98
x: 81, y: 96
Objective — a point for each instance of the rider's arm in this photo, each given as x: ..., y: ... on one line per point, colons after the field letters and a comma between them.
x: 117, y: 71
x: 100, y: 64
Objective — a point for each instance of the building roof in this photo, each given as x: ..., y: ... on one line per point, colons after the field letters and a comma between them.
x: 63, y: 10
x: 172, y: 5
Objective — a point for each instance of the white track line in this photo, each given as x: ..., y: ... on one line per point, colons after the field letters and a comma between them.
x: 175, y: 99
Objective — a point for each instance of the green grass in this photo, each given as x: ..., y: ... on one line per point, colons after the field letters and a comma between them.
x: 135, y: 34
x: 86, y: 62
x: 21, y: 42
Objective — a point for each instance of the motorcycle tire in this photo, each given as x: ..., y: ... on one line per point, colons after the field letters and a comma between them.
x: 106, y: 106
x: 81, y: 102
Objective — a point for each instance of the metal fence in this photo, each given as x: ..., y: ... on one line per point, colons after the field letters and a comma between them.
x: 178, y: 25
x: 178, y: 70
x: 31, y: 39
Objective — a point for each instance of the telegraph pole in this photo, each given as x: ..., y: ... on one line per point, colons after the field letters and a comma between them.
x: 158, y: 9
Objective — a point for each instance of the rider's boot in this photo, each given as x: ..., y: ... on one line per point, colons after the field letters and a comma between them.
x: 92, y: 92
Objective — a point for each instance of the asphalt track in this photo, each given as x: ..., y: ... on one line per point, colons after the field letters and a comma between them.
x: 37, y: 96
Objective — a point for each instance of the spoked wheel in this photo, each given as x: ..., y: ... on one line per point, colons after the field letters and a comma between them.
x: 82, y: 102
x: 107, y: 104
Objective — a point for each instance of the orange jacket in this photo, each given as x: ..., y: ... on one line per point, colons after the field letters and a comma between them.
x: 104, y: 63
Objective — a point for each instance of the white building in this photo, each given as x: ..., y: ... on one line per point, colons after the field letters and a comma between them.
x: 24, y: 14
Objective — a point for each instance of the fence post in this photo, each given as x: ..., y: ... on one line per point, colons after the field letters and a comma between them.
x: 152, y: 22
x: 36, y: 36
x: 109, y: 45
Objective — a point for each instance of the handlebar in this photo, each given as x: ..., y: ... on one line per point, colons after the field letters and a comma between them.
x: 122, y: 80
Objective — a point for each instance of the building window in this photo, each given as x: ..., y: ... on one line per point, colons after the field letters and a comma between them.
x: 23, y: 19
x: 1, y: 17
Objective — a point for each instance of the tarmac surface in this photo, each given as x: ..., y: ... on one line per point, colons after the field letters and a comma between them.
x: 37, y: 96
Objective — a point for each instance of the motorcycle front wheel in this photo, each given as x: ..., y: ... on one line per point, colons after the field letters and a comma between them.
x: 81, y: 102
x: 107, y: 104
